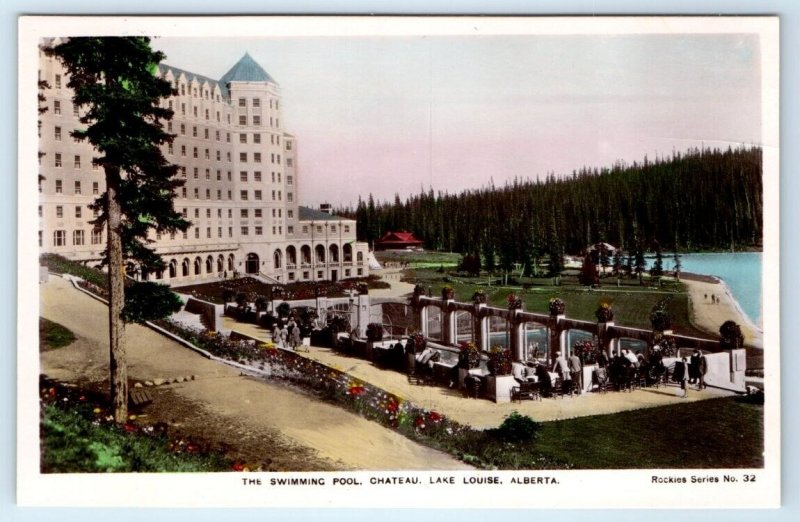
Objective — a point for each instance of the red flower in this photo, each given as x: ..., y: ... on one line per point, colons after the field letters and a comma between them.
x: 392, y: 406
x: 419, y: 422
x: 129, y: 427
x: 356, y: 390
x: 434, y: 417
x: 238, y: 466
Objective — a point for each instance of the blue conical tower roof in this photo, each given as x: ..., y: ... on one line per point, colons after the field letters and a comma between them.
x: 246, y: 70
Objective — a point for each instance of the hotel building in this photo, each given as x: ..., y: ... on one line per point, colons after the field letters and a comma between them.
x: 241, y: 192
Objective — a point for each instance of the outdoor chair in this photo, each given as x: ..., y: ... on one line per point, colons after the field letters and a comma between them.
x: 526, y: 391
x: 600, y: 377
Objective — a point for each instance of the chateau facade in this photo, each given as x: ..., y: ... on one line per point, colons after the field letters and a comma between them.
x: 241, y: 190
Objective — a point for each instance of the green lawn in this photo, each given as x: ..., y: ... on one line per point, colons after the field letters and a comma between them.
x: 53, y: 335
x: 719, y: 433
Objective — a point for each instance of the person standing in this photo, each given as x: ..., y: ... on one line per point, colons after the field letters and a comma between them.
x: 561, y: 367
x: 284, y: 336
x: 681, y: 375
x: 575, y: 372
x: 694, y: 367
x: 276, y: 334
x: 702, y: 368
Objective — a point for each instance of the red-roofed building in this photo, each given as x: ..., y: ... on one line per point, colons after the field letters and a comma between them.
x: 398, y: 241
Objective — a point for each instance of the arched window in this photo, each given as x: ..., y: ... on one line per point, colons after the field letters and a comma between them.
x: 230, y: 263
x: 185, y: 267
x: 198, y: 266
x: 277, y: 258
x: 173, y: 269
x: 252, y: 264
x: 221, y: 264
x: 209, y: 265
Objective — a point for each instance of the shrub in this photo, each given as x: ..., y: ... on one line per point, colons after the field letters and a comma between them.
x: 148, y: 301
x: 517, y: 428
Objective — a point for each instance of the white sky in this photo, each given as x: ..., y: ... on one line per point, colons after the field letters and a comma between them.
x: 394, y: 114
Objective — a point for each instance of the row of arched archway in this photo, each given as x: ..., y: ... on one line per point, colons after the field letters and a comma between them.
x: 333, y: 254
x: 187, y: 266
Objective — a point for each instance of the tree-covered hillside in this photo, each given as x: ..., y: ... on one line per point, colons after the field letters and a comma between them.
x: 703, y: 199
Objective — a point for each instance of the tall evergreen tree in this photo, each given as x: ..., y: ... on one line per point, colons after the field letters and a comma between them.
x: 115, y: 79
x: 658, y: 264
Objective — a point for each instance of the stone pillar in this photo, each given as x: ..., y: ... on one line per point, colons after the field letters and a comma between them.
x: 557, y: 337
x: 603, y: 337
x: 362, y: 315
x: 449, y: 333
x: 481, y: 324
x: 517, y: 337
x: 423, y: 320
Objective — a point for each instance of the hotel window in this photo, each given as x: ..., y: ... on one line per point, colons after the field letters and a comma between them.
x: 170, y: 149
x: 185, y: 234
x: 40, y: 211
x: 243, y: 176
x: 97, y: 237
x: 208, y: 213
x: 272, y: 139
x: 183, y: 89
x: 274, y: 231
x: 279, y: 195
x: 194, y: 111
x: 95, y: 187
x: 257, y: 157
x: 196, y: 193
x: 272, y: 158
x: 207, y: 117
x: 230, y: 231
x: 219, y: 155
x: 183, y: 171
x: 243, y: 195
x: 169, y: 126
x: 205, y: 133
x: 58, y: 186
x: 78, y: 212
x: 278, y: 124
x: 279, y: 177
x: 258, y: 195
x: 259, y: 231
x: 289, y: 145
x: 208, y: 193
x: 347, y: 229
x: 290, y: 229
x: 219, y: 231
x: 230, y: 196
x: 289, y: 162
x: 207, y: 154
x: 216, y: 133
x: 194, y: 152
x: 194, y: 131
x: 183, y: 192
x: 77, y: 187
x: 278, y: 140
x: 289, y: 197
x: 59, y: 211
x: 58, y: 159
x: 58, y: 81
x: 218, y: 117
x: 290, y: 214
x: 208, y: 174
x: 183, y: 150
x: 219, y: 213
x: 270, y: 121
x: 197, y: 213
x: 288, y: 180
x: 183, y: 129
x: 229, y: 119
x: 280, y: 230
x: 256, y: 102
x: 257, y: 176
x: 280, y: 212
x: 58, y: 133
x: 95, y: 166
x: 184, y: 212
x: 196, y: 173
x: 77, y: 162
x: 242, y: 137
x: 75, y: 110
x: 242, y: 102
x: 273, y: 177
x: 56, y: 107
x: 228, y: 136
x: 243, y: 157
x: 229, y: 156
x: 169, y: 104
x: 172, y: 236
x: 273, y: 212
x: 219, y: 195
x: 59, y: 238
x: 208, y: 232
x: 219, y: 175
x: 77, y: 237
x: 360, y: 271
x: 242, y: 120
x: 245, y: 231
x: 230, y: 213
x: 279, y: 159
x: 319, y: 229
x: 273, y: 195
x: 256, y: 120
x: 257, y: 213
x: 333, y: 229
x: 244, y: 213
x: 256, y: 138
x: 197, y: 233
x: 305, y: 229
x: 183, y: 106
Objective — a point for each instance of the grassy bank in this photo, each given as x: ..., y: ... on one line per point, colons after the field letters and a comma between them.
x: 53, y: 335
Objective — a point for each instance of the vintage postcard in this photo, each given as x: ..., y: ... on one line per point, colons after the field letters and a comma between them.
x: 399, y: 262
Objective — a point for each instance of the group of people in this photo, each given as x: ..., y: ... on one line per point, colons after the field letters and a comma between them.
x: 287, y: 335
x: 692, y: 371
x: 714, y: 298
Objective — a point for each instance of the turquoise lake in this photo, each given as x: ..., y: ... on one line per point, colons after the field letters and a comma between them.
x: 741, y: 271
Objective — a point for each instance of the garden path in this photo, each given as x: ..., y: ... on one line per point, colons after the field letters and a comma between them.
x: 341, y: 438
